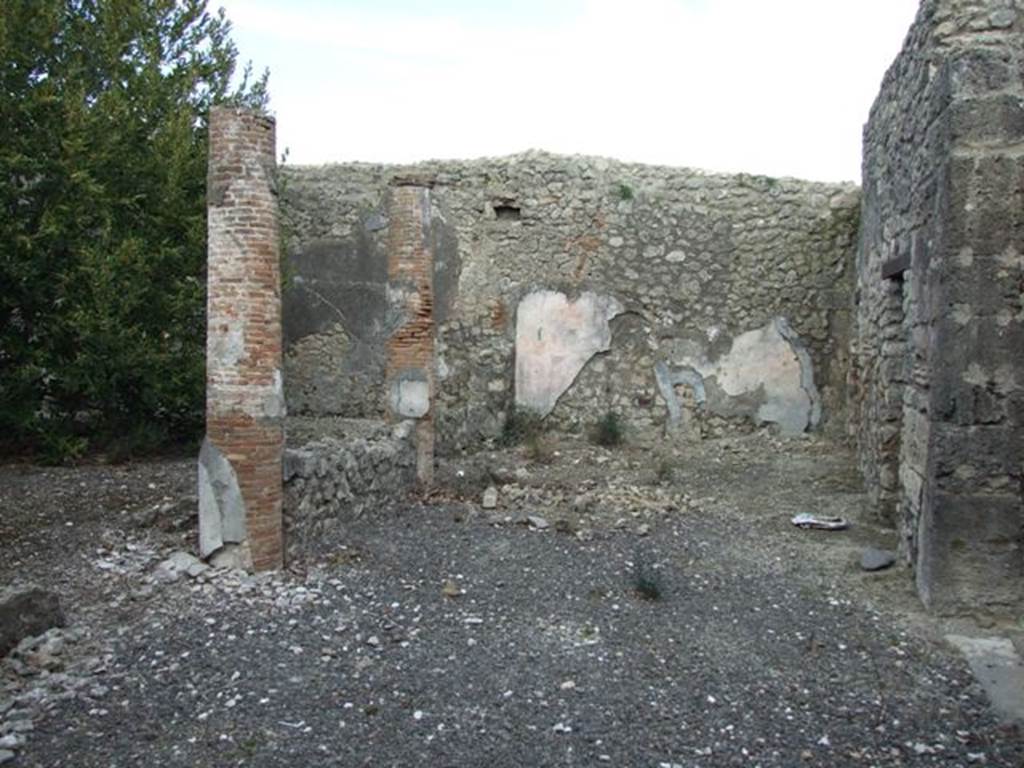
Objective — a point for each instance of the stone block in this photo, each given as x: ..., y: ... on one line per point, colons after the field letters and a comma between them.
x: 26, y: 611
x: 970, y: 553
x: 976, y: 459
x: 987, y: 120
x: 221, y: 506
x: 941, y: 164
x: 977, y: 71
x: 340, y: 479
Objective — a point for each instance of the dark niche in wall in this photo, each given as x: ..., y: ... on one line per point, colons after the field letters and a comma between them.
x: 506, y: 211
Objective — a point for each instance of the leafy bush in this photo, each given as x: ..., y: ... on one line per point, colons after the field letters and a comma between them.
x: 625, y: 191
x: 57, y: 448
x: 103, y: 230
x: 608, y: 431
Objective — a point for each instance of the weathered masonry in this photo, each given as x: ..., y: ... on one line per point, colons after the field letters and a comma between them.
x: 938, y: 368
x: 440, y: 299
x: 727, y: 296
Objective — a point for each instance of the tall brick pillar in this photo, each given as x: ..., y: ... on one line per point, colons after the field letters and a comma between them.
x: 240, y: 461
x: 410, y: 350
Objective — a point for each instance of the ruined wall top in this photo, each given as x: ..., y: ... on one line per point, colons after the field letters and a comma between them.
x: 539, y: 163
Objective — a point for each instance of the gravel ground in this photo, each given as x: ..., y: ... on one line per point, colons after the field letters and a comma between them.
x: 443, y: 634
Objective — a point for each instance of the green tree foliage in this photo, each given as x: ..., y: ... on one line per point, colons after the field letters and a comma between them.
x: 103, y: 105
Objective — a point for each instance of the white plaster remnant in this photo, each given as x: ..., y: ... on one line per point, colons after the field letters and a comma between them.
x: 221, y: 508
x: 411, y: 398
x: 764, y: 358
x: 273, y: 406
x: 767, y: 365
x: 226, y: 344
x: 555, y: 337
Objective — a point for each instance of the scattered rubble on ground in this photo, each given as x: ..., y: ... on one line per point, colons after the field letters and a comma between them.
x: 430, y: 586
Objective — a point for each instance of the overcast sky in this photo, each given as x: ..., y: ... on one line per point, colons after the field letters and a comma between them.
x: 776, y: 87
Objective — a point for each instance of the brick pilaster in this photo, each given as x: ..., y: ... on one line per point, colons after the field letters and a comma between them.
x: 410, y: 350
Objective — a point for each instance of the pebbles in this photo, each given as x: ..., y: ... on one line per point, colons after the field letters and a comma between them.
x: 367, y: 656
x: 38, y: 674
x: 179, y: 565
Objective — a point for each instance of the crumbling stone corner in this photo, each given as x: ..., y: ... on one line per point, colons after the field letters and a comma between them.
x: 410, y: 348
x: 240, y: 488
x: 939, y: 353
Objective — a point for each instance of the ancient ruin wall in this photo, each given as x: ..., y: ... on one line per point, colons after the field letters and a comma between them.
x: 694, y: 274
x: 939, y: 350
x: 240, y: 462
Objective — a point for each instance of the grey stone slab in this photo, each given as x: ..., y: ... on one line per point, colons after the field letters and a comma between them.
x: 999, y: 669
x: 874, y: 559
x: 221, y: 507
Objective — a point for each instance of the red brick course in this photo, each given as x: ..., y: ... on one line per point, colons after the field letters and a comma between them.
x: 411, y: 269
x: 244, y: 402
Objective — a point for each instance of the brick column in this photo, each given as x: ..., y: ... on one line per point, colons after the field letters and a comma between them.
x: 410, y: 349
x: 240, y: 462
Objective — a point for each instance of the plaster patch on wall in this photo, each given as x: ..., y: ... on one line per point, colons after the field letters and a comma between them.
x: 273, y: 406
x: 806, y: 369
x: 221, y: 508
x: 766, y: 373
x: 667, y: 380
x: 555, y: 337
x: 410, y: 395
x: 227, y: 342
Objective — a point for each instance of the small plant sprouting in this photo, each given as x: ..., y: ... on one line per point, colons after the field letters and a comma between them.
x: 538, y: 448
x: 608, y: 430
x: 646, y: 581
x: 625, y: 191
x: 522, y: 427
x: 665, y: 473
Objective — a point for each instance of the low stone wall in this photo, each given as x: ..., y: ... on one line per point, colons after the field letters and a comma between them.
x: 336, y: 471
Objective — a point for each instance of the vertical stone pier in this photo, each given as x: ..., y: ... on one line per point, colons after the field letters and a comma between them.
x: 940, y: 315
x: 410, y: 349
x: 240, y: 486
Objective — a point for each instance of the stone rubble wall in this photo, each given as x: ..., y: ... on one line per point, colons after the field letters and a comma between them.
x: 937, y: 380
x: 695, y: 260
x: 332, y: 479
